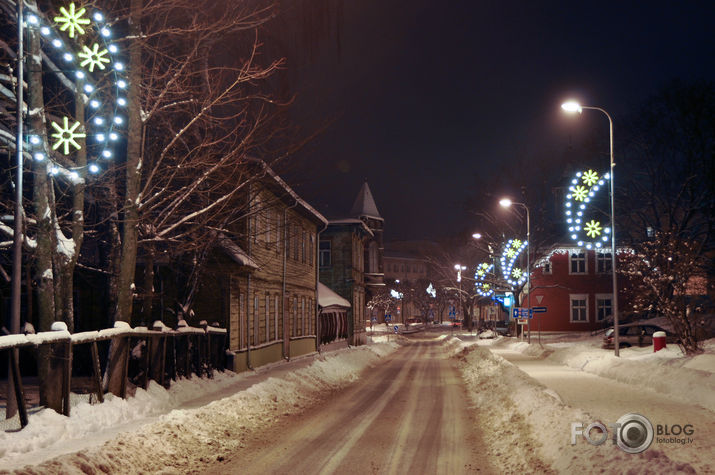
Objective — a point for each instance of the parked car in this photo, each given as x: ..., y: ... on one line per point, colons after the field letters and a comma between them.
x: 636, y: 334
x: 502, y: 328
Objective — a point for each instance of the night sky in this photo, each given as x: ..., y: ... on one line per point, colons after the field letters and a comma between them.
x: 420, y: 96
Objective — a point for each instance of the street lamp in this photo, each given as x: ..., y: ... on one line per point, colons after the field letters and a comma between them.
x: 507, y: 203
x: 459, y: 268
x: 573, y: 106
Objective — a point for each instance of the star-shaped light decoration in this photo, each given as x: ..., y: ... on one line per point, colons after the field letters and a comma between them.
x: 516, y: 273
x: 93, y: 57
x: 66, y: 136
x: 72, y: 20
x: 511, y: 252
x: 592, y: 228
x: 579, y: 193
x: 590, y: 178
x: 516, y: 243
x: 486, y: 287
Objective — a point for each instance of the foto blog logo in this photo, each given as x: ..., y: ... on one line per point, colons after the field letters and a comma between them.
x: 632, y: 433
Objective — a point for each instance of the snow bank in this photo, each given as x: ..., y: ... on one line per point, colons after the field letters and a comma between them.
x: 528, y: 429
x: 687, y: 379
x: 182, y: 440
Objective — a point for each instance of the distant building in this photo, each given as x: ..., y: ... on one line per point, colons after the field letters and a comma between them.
x: 351, y: 260
x: 575, y: 285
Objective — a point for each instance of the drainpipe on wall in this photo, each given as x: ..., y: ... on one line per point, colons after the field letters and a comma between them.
x: 317, y: 279
x: 248, y: 316
x: 285, y: 264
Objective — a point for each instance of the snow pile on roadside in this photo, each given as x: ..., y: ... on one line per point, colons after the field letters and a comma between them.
x: 528, y: 430
x: 181, y: 440
x: 668, y: 371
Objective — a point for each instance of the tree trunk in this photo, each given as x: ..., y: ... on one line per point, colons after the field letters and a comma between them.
x: 133, y: 172
x: 42, y: 193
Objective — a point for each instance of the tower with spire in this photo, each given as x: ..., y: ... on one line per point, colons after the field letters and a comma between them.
x: 365, y: 209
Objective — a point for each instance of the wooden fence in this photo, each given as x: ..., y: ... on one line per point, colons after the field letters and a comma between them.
x: 160, y: 354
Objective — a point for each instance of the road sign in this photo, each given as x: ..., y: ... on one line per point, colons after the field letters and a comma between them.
x: 538, y: 309
x: 522, y: 321
x: 388, y: 317
x: 397, y: 328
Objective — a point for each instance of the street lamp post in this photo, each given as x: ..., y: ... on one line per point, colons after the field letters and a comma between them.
x: 573, y: 106
x: 459, y: 268
x: 506, y: 203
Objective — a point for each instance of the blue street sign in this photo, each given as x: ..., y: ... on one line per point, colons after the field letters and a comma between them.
x: 396, y: 328
x: 538, y: 309
x: 388, y: 317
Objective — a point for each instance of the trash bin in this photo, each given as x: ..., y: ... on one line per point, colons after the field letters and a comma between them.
x: 658, y: 341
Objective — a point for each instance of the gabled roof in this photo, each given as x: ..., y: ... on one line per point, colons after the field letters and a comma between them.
x: 365, y: 204
x: 287, y: 191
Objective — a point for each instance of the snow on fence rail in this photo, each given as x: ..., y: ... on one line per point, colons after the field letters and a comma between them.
x: 160, y: 353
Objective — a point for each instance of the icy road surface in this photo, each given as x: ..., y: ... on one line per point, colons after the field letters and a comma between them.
x: 408, y: 415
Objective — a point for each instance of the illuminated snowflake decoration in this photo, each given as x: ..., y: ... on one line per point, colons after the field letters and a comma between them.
x: 72, y: 20
x: 590, y: 178
x: 66, y: 136
x: 93, y: 57
x: 582, y: 217
x: 579, y: 193
x: 104, y: 95
x: 593, y: 229
x: 483, y: 288
x: 516, y: 243
x: 508, y: 260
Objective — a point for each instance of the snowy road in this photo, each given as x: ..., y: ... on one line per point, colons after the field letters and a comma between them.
x: 408, y: 415
x: 607, y: 400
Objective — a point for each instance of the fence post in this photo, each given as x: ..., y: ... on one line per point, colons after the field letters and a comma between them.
x: 118, y: 365
x: 66, y: 376
x: 17, y: 380
x: 157, y: 358
x: 97, y: 372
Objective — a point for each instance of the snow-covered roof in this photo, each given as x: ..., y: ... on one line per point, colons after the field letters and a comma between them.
x: 235, y: 252
x: 284, y: 186
x: 348, y: 221
x: 327, y: 297
x: 365, y: 204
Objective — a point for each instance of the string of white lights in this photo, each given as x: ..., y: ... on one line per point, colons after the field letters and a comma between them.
x: 584, y: 187
x: 103, y: 107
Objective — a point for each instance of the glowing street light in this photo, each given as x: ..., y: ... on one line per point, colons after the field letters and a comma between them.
x: 477, y: 236
x: 573, y: 106
x: 507, y: 203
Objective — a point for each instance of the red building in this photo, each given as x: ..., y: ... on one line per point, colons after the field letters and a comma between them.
x: 575, y: 285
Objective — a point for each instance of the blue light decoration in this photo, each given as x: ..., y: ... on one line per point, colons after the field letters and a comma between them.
x: 512, y: 250
x: 483, y: 288
x: 104, y: 121
x: 582, y: 218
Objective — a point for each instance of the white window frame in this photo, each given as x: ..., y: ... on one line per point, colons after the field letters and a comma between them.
x: 268, y: 316
x: 572, y: 298
x: 585, y: 262
x: 256, y: 320
x: 606, y: 261
x: 242, y: 340
x: 275, y: 316
x: 599, y: 299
